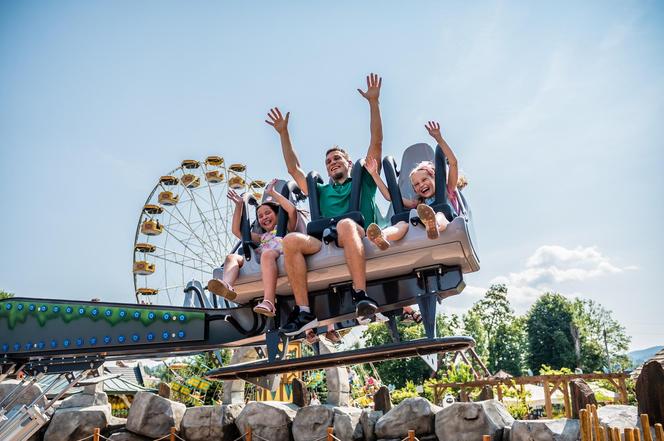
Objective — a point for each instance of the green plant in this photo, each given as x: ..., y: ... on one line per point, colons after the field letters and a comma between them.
x: 408, y: 391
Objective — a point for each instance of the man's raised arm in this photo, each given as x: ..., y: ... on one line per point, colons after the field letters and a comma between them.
x: 376, y: 126
x: 280, y: 124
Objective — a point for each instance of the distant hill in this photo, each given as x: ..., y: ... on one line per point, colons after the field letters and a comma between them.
x: 640, y: 356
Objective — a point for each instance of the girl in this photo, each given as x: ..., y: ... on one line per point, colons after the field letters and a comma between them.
x: 269, y: 248
x: 423, y: 181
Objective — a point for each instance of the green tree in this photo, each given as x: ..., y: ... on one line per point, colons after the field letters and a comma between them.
x: 550, y: 325
x: 507, y: 349
x: 5, y: 295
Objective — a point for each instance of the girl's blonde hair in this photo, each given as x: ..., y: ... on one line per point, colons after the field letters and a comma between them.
x: 429, y: 169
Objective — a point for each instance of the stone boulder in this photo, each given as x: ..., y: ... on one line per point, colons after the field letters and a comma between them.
x: 411, y: 414
x: 269, y: 420
x: 153, y: 416
x: 77, y: 422
x: 127, y: 436
x: 619, y: 416
x: 382, y: 401
x: 650, y: 391
x: 301, y: 395
x: 311, y: 422
x: 205, y: 423
x: 562, y: 429
x: 580, y: 395
x: 26, y: 394
x: 368, y: 419
x: 347, y: 426
x: 92, y: 395
x: 469, y: 421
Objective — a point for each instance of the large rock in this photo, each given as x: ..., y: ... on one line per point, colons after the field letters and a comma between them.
x: 311, y: 422
x: 269, y: 420
x: 382, y: 401
x: 469, y: 421
x: 620, y: 416
x: 92, y: 395
x: 25, y: 394
x: 411, y: 414
x: 368, y: 419
x: 347, y: 426
x: 301, y: 395
x: 581, y: 395
x: 233, y: 390
x: 336, y: 378
x: 546, y: 430
x: 77, y: 422
x: 207, y: 423
x: 127, y: 436
x: 650, y: 391
x: 153, y: 416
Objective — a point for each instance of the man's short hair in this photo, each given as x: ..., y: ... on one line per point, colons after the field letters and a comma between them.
x: 343, y: 152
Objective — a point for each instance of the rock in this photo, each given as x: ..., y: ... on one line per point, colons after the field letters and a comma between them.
x: 233, y: 390
x: 580, y: 395
x: 411, y: 414
x: 562, y: 429
x: 485, y: 394
x: 469, y: 421
x: 338, y: 386
x: 206, y: 423
x: 77, y: 422
x: 347, y: 426
x: 27, y: 394
x: 650, y: 391
x: 164, y: 390
x: 153, y: 416
x: 127, y: 436
x: 311, y: 422
x: 382, y: 400
x: 368, y: 419
x: 619, y: 416
x: 270, y: 420
x: 84, y: 399
x: 301, y: 395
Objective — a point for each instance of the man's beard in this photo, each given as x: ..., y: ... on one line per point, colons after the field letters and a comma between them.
x: 337, y: 175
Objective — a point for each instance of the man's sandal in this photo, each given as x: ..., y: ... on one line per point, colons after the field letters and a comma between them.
x: 375, y: 235
x: 221, y: 289
x: 265, y: 308
x: 428, y: 218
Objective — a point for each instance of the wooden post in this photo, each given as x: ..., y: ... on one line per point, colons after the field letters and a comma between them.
x: 499, y: 391
x: 645, y: 425
x: 172, y: 437
x: 566, y: 400
x: 629, y: 434
x: 616, y: 433
x: 330, y: 432
x: 582, y: 420
x: 659, y: 432
x: 486, y: 437
x: 595, y: 420
x: 411, y: 435
x: 602, y: 434
x: 547, y: 399
x: 95, y: 435
x: 637, y: 434
x: 623, y: 390
x: 247, y: 436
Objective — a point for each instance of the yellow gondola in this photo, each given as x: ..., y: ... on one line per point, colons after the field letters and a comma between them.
x: 147, y: 291
x: 143, y: 268
x: 151, y: 227
x: 168, y: 180
x: 236, y: 183
x: 237, y: 168
x: 214, y: 176
x: 168, y: 198
x: 257, y: 183
x: 153, y: 209
x: 190, y: 181
x: 190, y: 164
x: 145, y: 247
x: 215, y: 161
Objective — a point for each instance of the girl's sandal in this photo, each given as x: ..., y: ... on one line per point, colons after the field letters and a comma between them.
x: 265, y: 308
x: 222, y: 289
x: 333, y: 336
x: 417, y: 317
x: 310, y: 337
x: 408, y: 317
x: 428, y: 218
x: 375, y: 235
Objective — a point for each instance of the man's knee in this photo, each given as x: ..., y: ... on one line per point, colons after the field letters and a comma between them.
x: 293, y: 243
x: 346, y: 226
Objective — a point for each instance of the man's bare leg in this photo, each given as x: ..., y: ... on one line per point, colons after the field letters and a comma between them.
x: 350, y: 238
x: 296, y: 247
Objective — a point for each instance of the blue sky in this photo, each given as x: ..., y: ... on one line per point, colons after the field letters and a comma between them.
x: 553, y: 110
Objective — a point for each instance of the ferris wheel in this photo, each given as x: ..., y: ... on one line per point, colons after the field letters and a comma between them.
x: 184, y: 229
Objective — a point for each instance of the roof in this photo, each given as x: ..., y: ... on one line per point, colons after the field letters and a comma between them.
x: 659, y: 356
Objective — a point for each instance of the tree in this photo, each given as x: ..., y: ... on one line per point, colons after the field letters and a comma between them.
x: 507, y: 349
x: 549, y: 326
x: 5, y: 295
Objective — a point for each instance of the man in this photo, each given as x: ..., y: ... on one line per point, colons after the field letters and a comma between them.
x: 334, y: 200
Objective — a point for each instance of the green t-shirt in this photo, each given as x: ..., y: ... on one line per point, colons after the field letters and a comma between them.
x: 334, y: 199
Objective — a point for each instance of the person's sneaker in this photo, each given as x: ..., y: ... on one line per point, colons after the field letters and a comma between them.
x: 428, y: 218
x: 376, y: 318
x: 299, y: 323
x: 364, y: 305
x: 375, y: 235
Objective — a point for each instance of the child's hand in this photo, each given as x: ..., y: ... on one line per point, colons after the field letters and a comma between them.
x: 271, y: 187
x: 434, y: 129
x: 371, y: 165
x: 277, y: 121
x: 233, y: 196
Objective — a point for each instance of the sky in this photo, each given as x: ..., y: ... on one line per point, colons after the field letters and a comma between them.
x: 554, y: 111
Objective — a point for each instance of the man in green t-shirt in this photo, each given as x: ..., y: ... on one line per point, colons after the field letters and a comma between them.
x: 334, y: 199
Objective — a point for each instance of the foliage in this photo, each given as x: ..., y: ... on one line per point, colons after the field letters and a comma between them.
x: 549, y: 325
x: 507, y: 349
x: 458, y: 373
x: 519, y: 409
x: 408, y: 391
x: 5, y: 295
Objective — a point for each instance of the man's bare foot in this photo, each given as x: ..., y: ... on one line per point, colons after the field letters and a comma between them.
x: 428, y: 218
x: 222, y: 289
x: 375, y: 235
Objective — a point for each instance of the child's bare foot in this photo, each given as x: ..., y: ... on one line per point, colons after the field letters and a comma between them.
x: 222, y: 289
x: 428, y: 218
x: 375, y: 235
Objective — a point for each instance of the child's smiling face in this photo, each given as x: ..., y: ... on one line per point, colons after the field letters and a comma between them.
x: 423, y: 184
x: 267, y: 218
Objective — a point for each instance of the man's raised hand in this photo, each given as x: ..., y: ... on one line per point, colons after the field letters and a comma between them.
x: 373, y: 87
x: 433, y: 128
x: 277, y: 120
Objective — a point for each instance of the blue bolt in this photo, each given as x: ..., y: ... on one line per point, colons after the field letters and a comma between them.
x: 108, y: 313
x: 181, y: 334
x: 151, y: 315
x: 20, y: 307
x: 121, y: 339
x: 31, y: 307
x: 79, y: 341
x: 56, y: 309
x: 54, y: 344
x: 43, y: 308
x: 69, y: 310
x: 165, y: 335
x: 123, y: 313
x: 5, y: 347
x: 135, y: 338
x: 8, y: 306
x: 17, y: 346
x: 137, y: 315
x: 41, y: 345
x: 81, y: 311
x: 107, y: 339
x: 93, y: 341
x: 150, y: 336
x: 182, y: 317
x: 28, y: 346
x: 94, y: 312
x: 166, y: 316
x: 66, y: 343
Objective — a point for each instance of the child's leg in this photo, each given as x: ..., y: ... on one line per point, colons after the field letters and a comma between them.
x: 396, y: 232
x: 380, y: 237
x: 269, y: 273
x: 224, y: 287
x: 428, y: 218
x: 441, y: 221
